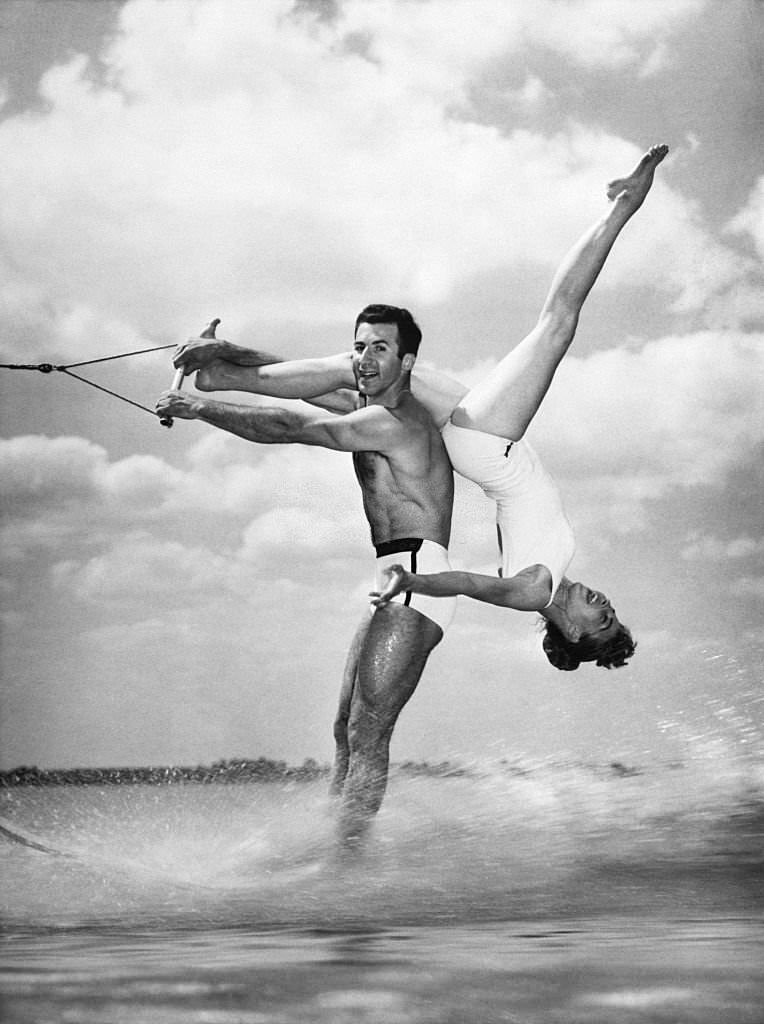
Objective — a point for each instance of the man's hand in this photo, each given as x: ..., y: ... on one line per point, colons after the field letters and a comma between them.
x: 178, y: 405
x: 398, y: 581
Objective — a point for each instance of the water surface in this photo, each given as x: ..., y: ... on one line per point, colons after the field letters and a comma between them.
x: 512, y: 892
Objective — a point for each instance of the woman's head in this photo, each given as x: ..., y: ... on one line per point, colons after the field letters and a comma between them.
x: 567, y: 655
x: 583, y: 626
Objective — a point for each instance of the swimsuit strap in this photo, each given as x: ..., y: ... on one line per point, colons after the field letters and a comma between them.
x: 392, y: 547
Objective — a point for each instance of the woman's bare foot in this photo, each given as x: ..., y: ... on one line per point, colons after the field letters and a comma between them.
x: 216, y: 376
x: 636, y: 186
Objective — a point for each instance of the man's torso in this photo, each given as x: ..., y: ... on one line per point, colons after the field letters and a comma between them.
x: 408, y: 490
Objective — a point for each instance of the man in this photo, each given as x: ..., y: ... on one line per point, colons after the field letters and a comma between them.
x: 483, y: 429
x: 407, y: 488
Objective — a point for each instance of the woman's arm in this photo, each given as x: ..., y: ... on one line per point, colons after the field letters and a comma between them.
x: 528, y: 591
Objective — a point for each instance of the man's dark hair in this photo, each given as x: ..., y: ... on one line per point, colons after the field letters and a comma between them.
x: 567, y: 655
x: 409, y: 334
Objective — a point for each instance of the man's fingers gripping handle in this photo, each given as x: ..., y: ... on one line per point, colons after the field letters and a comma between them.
x: 177, y: 380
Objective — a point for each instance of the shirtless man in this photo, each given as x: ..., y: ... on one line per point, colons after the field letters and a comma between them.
x: 483, y: 430
x: 407, y: 487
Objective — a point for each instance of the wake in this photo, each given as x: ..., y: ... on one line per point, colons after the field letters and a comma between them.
x: 494, y: 842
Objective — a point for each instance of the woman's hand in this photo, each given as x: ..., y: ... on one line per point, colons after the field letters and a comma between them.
x: 398, y: 581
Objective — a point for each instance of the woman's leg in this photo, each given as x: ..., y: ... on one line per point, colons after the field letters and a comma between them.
x: 508, y: 399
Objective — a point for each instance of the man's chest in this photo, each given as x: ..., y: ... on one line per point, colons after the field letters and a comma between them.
x: 372, y: 469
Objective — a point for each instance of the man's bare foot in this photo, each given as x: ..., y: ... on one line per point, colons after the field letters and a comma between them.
x: 638, y: 183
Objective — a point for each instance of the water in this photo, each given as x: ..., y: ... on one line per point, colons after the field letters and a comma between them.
x: 514, y: 892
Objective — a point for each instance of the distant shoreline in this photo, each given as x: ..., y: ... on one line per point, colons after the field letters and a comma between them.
x: 241, y: 770
x: 237, y: 770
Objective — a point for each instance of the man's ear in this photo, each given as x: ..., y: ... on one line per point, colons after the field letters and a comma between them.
x: 407, y: 363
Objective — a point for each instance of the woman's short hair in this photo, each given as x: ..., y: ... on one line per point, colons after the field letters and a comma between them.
x: 409, y: 334
x: 566, y: 655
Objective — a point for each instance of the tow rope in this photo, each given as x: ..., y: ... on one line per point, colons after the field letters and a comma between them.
x: 68, y: 367
x: 166, y: 421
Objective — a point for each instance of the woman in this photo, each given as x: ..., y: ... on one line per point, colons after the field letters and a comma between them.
x: 483, y: 430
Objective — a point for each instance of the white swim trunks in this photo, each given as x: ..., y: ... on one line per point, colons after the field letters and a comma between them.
x: 417, y: 555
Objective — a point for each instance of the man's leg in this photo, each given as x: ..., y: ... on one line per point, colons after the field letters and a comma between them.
x: 392, y: 658
x: 508, y: 399
x: 349, y: 676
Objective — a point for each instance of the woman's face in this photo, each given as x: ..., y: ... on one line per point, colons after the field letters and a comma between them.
x: 591, y: 612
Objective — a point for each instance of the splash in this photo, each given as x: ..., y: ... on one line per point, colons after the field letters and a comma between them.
x: 487, y: 840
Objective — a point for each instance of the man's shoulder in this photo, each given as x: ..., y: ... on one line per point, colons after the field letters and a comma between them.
x: 413, y: 416
x: 408, y: 407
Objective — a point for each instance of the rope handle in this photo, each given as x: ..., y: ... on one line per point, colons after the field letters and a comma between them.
x: 180, y: 373
x: 177, y: 382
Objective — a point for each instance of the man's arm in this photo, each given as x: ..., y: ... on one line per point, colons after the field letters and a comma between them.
x: 370, y: 429
x: 261, y: 373
x: 528, y: 591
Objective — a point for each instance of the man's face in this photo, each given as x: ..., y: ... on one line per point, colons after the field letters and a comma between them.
x: 376, y: 363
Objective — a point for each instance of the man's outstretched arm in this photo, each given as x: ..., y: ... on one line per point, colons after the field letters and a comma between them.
x: 370, y: 429
x: 328, y: 378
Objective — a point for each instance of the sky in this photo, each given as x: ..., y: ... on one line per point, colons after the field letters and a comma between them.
x: 180, y: 596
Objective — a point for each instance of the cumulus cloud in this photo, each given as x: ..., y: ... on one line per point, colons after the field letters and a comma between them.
x: 749, y: 587
x: 44, y: 473
x: 680, y: 411
x: 582, y: 33
x: 750, y: 220
x: 578, y: 31
x: 142, y: 568
x: 250, y: 157
x: 715, y: 550
x: 137, y: 528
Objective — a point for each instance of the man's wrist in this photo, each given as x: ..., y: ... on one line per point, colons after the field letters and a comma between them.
x: 199, y: 408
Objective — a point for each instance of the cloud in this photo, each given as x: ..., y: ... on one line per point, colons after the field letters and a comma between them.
x: 678, y: 412
x: 739, y: 561
x: 586, y: 32
x: 48, y: 472
x: 141, y: 568
x: 596, y: 34
x: 750, y: 220
x: 712, y: 549
x: 240, y: 156
x: 137, y: 529
x: 749, y: 587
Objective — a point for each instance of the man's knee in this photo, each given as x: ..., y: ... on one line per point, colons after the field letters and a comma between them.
x: 366, y: 728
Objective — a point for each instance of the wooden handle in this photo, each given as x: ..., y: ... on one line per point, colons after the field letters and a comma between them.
x: 177, y: 380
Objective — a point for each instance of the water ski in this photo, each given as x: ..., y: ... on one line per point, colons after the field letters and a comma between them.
x: 14, y: 834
